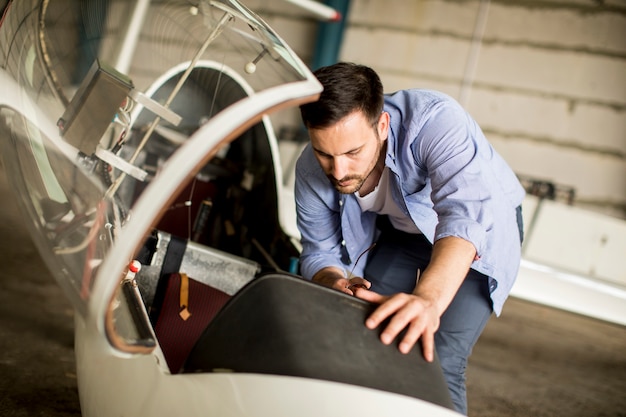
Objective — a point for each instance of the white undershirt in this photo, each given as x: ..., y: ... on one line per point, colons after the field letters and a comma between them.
x: 381, y: 201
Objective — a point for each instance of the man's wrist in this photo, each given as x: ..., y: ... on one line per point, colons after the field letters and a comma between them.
x: 431, y: 295
x: 328, y: 276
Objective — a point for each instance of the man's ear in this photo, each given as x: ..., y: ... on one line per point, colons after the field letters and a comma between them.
x: 383, y: 125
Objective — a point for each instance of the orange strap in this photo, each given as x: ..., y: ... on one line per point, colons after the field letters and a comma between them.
x: 184, y: 296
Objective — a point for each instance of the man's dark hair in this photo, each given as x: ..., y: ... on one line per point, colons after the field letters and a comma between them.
x: 348, y: 87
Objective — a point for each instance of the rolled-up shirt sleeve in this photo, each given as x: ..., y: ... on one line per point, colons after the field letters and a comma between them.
x: 447, y: 150
x: 318, y: 221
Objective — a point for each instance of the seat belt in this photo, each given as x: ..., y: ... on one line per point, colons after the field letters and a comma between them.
x: 171, y: 264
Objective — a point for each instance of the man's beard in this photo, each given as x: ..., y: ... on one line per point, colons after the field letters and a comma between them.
x: 353, y: 188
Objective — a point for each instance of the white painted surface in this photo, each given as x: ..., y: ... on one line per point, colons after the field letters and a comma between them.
x: 573, y: 259
x: 578, y: 241
x: 570, y: 292
x: 148, y: 389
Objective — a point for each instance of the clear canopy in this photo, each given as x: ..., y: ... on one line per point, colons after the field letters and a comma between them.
x: 109, y: 109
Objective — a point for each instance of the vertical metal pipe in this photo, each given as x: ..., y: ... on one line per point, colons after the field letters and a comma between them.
x: 472, y: 59
x: 131, y: 38
x: 330, y: 36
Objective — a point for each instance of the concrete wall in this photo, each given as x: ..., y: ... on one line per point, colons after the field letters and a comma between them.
x: 545, y: 79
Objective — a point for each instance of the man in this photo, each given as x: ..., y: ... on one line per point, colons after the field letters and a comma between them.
x: 412, y: 172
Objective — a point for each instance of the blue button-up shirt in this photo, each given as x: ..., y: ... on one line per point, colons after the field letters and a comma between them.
x: 445, y: 176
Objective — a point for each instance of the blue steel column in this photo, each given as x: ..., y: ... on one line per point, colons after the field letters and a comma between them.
x: 330, y: 36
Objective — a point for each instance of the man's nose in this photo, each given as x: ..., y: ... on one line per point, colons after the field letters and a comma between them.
x: 340, y: 168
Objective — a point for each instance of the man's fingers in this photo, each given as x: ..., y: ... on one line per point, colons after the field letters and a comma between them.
x: 371, y: 296
x: 411, y: 337
x: 406, y: 312
x: 428, y: 346
x: 342, y: 285
x: 358, y: 282
x: 404, y: 318
x: 388, y: 306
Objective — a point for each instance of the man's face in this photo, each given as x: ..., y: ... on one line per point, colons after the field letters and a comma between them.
x: 349, y: 150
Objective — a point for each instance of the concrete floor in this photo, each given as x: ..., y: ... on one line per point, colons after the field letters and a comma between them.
x: 37, y: 368
x: 533, y: 361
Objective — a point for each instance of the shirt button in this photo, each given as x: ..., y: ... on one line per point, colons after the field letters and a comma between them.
x: 343, y: 243
x: 341, y: 202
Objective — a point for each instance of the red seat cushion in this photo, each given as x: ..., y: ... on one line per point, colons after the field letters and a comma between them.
x: 177, y: 336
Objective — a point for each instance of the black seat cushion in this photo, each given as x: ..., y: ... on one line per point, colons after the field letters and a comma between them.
x: 281, y: 324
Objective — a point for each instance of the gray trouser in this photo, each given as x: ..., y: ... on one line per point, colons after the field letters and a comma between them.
x: 392, y: 268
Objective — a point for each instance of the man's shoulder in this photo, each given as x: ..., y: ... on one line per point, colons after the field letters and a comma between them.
x: 417, y: 101
x: 306, y: 157
x: 412, y: 108
x: 307, y: 164
x: 418, y: 95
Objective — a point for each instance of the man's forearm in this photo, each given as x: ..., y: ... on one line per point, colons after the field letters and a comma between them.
x: 450, y: 261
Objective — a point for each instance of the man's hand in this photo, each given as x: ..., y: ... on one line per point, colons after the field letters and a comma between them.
x: 419, y: 312
x: 419, y: 316
x: 334, y: 278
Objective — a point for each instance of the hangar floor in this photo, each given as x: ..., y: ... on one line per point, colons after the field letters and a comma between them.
x: 533, y: 361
